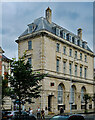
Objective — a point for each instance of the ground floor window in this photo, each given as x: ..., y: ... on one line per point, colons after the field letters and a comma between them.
x: 60, y: 94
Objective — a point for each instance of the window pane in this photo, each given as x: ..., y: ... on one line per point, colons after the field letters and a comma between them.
x: 85, y: 72
x: 75, y: 54
x: 58, y: 31
x: 85, y: 58
x: 57, y: 65
x: 29, y: 45
x: 64, y: 67
x: 57, y: 47
x: 80, y: 56
x: 75, y: 70
x: 73, y: 94
x: 60, y: 94
x: 29, y: 60
x: 70, y: 52
x: 80, y: 71
x: 73, y: 40
x: 70, y: 68
x: 70, y: 38
x: 82, y: 94
x: 64, y: 49
x: 64, y: 35
x: 67, y: 37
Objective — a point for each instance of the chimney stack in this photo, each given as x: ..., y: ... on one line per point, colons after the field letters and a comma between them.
x: 49, y: 15
x: 79, y: 33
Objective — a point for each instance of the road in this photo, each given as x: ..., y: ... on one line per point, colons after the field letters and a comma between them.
x: 90, y: 117
x: 87, y: 117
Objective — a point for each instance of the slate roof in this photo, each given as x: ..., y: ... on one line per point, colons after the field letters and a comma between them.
x: 42, y: 24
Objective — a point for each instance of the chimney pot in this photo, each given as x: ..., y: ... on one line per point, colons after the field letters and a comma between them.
x: 48, y: 14
x: 79, y: 33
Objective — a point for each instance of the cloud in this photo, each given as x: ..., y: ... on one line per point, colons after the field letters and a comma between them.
x: 70, y: 15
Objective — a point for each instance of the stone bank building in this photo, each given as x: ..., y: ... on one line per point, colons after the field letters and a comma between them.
x: 66, y: 58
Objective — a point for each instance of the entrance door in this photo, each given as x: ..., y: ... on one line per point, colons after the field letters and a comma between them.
x: 49, y: 102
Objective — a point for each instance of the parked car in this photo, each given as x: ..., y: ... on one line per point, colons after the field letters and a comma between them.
x: 9, y: 115
x: 68, y: 117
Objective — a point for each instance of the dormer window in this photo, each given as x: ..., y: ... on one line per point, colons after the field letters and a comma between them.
x: 61, y: 34
x: 57, y: 31
x: 73, y: 40
x: 83, y: 44
x: 78, y: 42
x: 64, y: 35
x: 67, y: 37
x: 33, y: 27
x: 70, y: 38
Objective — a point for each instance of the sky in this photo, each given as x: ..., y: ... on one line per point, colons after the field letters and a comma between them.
x: 69, y: 15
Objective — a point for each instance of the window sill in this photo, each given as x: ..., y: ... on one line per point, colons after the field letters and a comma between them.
x: 58, y: 51
x: 64, y: 54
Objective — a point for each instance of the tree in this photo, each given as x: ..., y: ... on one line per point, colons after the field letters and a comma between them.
x: 86, y: 98
x: 6, y: 90
x: 24, y: 81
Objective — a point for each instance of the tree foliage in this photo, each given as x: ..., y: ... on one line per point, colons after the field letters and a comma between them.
x: 6, y: 90
x: 24, y: 81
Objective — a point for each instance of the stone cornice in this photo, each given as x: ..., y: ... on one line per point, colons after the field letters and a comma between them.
x: 54, y: 37
x: 90, y: 81
x: 68, y: 79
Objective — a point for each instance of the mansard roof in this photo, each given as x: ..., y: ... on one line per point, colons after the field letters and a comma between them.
x: 43, y: 24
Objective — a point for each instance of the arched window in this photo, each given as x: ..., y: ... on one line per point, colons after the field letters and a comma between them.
x: 83, y: 90
x: 73, y: 94
x: 60, y: 94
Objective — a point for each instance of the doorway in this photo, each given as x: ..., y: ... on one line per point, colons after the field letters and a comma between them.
x: 49, y: 102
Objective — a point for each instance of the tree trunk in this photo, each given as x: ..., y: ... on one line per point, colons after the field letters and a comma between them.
x: 19, y: 107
